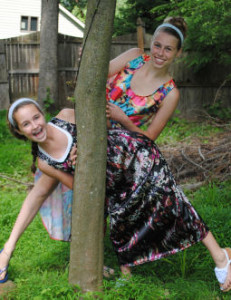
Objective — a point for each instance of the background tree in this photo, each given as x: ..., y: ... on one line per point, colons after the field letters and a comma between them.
x: 86, y: 256
x: 48, y: 63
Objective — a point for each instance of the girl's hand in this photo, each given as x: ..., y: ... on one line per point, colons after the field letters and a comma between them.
x: 115, y: 113
x: 73, y: 155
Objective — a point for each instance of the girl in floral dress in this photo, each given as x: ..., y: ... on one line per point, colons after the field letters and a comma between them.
x: 150, y: 217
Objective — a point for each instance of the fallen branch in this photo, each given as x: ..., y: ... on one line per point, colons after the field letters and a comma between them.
x: 200, y: 162
x: 28, y: 184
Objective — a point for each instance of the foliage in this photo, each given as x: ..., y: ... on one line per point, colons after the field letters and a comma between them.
x: 78, y: 8
x: 126, y: 14
x: 128, y: 11
x: 10, y: 163
x: 4, y: 132
x: 219, y: 111
x: 48, y: 101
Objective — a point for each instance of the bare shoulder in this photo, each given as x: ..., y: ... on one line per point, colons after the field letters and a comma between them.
x: 67, y: 114
x: 135, y: 52
x: 171, y: 100
x: 173, y: 95
x: 120, y: 61
x: 130, y: 54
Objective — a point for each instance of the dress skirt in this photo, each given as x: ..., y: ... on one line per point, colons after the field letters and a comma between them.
x: 150, y: 217
x: 56, y: 212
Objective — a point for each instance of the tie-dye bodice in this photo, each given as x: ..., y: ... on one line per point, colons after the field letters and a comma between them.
x: 139, y: 109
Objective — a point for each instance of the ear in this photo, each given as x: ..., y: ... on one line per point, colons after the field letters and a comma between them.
x: 179, y: 53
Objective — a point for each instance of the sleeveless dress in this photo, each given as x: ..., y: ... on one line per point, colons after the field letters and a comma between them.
x: 150, y: 217
x: 139, y: 109
x: 56, y: 211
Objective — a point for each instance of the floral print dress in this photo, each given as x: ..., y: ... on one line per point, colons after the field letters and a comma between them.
x: 139, y: 109
x: 150, y: 217
x: 56, y: 211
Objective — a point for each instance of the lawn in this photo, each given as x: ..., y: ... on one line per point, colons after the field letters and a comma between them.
x: 39, y: 266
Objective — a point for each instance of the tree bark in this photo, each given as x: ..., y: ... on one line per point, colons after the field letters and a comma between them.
x: 48, y: 63
x: 86, y: 255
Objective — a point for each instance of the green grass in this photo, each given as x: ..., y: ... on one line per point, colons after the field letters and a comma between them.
x: 39, y: 266
x: 179, y: 129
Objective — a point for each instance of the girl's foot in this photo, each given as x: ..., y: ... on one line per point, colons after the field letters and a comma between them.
x: 223, y: 271
x: 4, y: 261
x: 126, y: 271
x: 108, y: 272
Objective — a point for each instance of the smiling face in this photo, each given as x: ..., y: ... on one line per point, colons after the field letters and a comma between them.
x: 31, y: 123
x: 164, y: 49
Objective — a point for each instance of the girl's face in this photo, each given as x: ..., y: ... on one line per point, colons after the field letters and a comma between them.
x: 31, y: 123
x: 164, y: 49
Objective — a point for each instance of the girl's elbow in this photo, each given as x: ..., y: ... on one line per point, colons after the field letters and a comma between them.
x: 152, y: 135
x: 148, y: 134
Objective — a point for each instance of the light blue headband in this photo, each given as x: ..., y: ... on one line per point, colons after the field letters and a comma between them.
x: 17, y: 103
x: 174, y: 28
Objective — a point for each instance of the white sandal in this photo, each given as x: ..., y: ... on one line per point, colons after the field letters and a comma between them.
x: 221, y: 273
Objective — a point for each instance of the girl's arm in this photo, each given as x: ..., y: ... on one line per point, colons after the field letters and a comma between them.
x: 158, y: 123
x: 66, y: 178
x: 67, y: 114
x: 118, y: 63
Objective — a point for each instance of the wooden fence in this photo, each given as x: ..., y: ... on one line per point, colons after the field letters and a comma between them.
x: 4, y: 85
x: 21, y: 63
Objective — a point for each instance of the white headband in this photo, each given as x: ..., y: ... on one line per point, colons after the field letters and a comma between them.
x: 174, y: 28
x: 17, y: 103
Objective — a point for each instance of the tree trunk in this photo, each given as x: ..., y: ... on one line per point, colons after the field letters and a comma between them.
x: 48, y: 64
x: 86, y: 255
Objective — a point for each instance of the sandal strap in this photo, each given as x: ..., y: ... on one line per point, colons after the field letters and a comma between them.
x: 221, y: 273
x: 227, y: 257
x: 3, y: 270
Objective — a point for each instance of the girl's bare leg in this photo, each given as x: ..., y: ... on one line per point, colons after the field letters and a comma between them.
x: 218, y: 256
x: 42, y: 189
